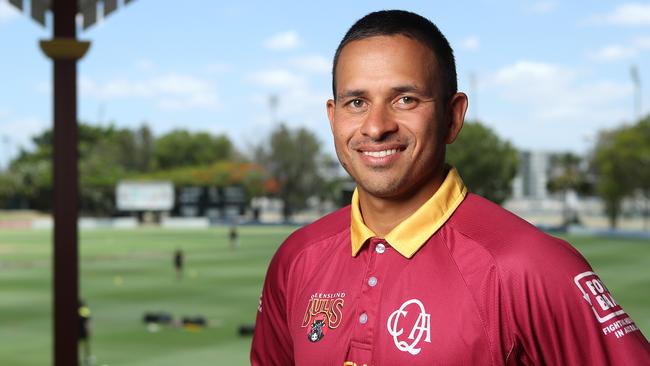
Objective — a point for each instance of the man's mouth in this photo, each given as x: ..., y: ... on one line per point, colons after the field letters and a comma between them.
x: 381, y: 153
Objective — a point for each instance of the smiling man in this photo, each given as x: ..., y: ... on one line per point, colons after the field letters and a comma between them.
x: 416, y: 271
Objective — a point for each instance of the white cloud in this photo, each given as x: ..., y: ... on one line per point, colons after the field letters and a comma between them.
x: 277, y: 78
x: 542, y: 7
x: 170, y: 91
x: 17, y: 133
x: 282, y: 41
x: 553, y: 93
x: 621, y: 52
x: 191, y: 101
x: 312, y: 63
x: 548, y: 106
x: 630, y: 14
x: 613, y: 53
x: 528, y: 71
x: 297, y: 107
x: 471, y: 43
x: 298, y: 102
x: 7, y: 12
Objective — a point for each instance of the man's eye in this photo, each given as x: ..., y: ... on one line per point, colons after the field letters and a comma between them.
x: 406, y: 100
x: 356, y: 103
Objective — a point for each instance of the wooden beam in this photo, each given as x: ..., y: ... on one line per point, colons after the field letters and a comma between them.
x: 64, y: 50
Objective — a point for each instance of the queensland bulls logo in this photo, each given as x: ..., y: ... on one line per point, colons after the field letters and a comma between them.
x: 324, y: 312
x: 421, y: 328
x: 316, y: 332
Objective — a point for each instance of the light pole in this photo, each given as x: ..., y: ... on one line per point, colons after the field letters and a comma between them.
x: 636, y: 80
x: 6, y: 145
x: 274, y: 101
x: 473, y: 85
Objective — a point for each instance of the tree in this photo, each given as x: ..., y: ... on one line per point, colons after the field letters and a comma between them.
x: 33, y: 173
x: 144, y: 140
x: 108, y: 155
x: 487, y: 163
x: 104, y: 156
x: 642, y: 162
x: 292, y: 158
x: 9, y: 191
x: 183, y: 148
x: 568, y: 174
x: 621, y: 161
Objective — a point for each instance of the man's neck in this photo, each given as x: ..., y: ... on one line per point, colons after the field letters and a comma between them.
x: 381, y: 215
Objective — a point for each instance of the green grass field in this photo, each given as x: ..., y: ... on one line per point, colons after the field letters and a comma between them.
x: 127, y: 272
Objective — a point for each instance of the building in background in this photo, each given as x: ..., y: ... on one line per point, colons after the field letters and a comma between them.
x: 531, y: 198
x: 531, y: 182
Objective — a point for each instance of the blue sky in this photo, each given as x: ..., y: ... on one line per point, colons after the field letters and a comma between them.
x: 549, y: 74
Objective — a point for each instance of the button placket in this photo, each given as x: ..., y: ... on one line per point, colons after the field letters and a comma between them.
x: 363, y: 318
x: 372, y: 281
x: 370, y: 297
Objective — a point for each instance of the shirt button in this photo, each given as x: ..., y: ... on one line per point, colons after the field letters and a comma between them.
x: 363, y: 318
x: 380, y: 248
x: 372, y: 281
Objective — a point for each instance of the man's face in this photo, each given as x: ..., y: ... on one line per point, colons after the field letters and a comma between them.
x: 389, y: 122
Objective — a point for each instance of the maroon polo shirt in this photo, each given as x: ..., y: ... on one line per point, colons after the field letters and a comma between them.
x: 460, y: 282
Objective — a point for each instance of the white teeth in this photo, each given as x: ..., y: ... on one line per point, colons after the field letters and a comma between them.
x: 380, y: 154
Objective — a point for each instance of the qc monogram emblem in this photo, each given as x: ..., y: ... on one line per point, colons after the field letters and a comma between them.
x: 421, y: 327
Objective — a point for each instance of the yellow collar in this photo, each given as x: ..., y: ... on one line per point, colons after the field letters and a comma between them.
x: 412, y: 233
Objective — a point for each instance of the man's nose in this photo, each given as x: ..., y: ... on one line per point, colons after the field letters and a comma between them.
x: 378, y: 123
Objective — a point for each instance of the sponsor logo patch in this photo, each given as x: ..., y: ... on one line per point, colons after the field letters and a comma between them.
x: 606, y: 310
x: 324, y: 312
x: 597, y: 295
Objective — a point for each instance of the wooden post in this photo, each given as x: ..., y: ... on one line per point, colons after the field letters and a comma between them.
x: 64, y: 50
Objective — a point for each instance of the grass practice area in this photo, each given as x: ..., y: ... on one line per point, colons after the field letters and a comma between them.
x: 125, y: 273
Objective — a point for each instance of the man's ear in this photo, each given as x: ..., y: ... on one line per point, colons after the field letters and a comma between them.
x: 456, y: 108
x: 331, y: 105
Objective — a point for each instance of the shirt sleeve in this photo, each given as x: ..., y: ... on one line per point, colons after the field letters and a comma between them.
x: 272, y: 344
x: 563, y: 314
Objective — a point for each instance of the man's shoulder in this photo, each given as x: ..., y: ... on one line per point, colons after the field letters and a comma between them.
x: 482, y: 219
x: 325, y: 227
x: 508, y: 239
x: 332, y: 225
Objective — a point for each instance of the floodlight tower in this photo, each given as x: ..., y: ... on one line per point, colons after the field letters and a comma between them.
x: 6, y: 145
x: 274, y: 101
x: 473, y: 84
x: 636, y: 80
x: 65, y: 50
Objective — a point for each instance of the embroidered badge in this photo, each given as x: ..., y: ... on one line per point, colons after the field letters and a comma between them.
x: 421, y: 327
x: 324, y: 312
x: 316, y: 332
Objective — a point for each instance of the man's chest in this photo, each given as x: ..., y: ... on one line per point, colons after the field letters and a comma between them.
x: 383, y: 309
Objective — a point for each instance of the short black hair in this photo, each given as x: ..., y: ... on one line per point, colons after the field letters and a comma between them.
x: 400, y: 22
